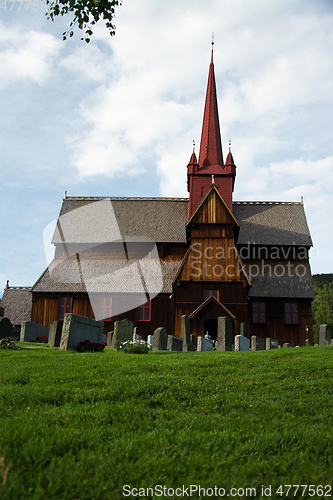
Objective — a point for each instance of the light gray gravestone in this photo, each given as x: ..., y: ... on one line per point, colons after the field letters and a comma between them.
x: 257, y: 344
x: 174, y: 343
x: 109, y: 337
x: 30, y: 331
x: 204, y: 343
x: 307, y: 343
x: 224, y: 333
x: 325, y: 335
x: 6, y: 328
x: 123, y: 332
x: 150, y: 341
x: 160, y: 339
x: 286, y: 344
x: 242, y: 343
x: 186, y: 334
x: 271, y: 344
x: 77, y: 329
x: 55, y: 331
x: 136, y: 336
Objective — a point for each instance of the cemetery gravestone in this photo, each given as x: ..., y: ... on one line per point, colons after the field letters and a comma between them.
x: 257, y: 344
x: 174, y: 343
x: 224, y: 333
x: 186, y: 334
x: 243, y: 329
x: 55, y: 334
x: 6, y: 328
x: 150, y: 341
x: 204, y: 343
x: 77, y: 329
x: 242, y: 343
x: 325, y: 335
x: 109, y: 337
x: 271, y: 344
x: 123, y: 332
x: 286, y: 344
x: 30, y: 331
x: 160, y: 339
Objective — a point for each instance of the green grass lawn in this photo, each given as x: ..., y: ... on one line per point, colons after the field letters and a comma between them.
x: 83, y: 425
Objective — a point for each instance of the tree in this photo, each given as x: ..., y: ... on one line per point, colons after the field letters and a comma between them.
x: 86, y: 14
x: 322, y: 306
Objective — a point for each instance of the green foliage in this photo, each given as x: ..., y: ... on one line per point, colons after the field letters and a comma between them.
x: 322, y: 306
x: 81, y: 426
x: 86, y: 14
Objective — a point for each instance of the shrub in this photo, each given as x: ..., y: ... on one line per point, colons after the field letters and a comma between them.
x: 8, y: 343
x: 139, y: 347
x: 87, y: 346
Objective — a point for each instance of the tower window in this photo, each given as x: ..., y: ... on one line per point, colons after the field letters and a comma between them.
x: 214, y: 293
x: 144, y: 311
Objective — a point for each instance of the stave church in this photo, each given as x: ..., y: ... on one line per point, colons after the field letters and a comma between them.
x: 152, y: 260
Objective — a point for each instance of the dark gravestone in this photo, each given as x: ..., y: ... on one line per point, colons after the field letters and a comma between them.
x: 257, y: 344
x: 186, y: 334
x: 123, y: 332
x: 224, y: 333
x: 160, y: 339
x: 193, y: 339
x: 271, y: 344
x: 325, y: 335
x: 6, y: 328
x: 30, y: 331
x: 175, y: 343
x: 55, y: 334
x: 77, y: 329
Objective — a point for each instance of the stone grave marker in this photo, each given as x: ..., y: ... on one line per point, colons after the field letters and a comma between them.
x: 271, y: 344
x: 325, y: 335
x: 123, y: 331
x: 186, y: 334
x: 224, y: 333
x: 286, y: 344
x: 150, y: 341
x: 30, y: 331
x: 174, y: 343
x: 204, y: 343
x: 160, y: 339
x: 109, y: 337
x: 55, y: 331
x: 257, y: 344
x: 6, y: 328
x: 77, y: 329
x: 242, y: 343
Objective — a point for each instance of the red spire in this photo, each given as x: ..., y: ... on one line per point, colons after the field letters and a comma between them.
x: 229, y: 162
x: 211, y: 146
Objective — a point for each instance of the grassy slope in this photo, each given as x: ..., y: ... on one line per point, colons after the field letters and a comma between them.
x: 80, y: 426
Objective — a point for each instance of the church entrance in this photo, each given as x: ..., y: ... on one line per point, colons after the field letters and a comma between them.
x: 210, y: 327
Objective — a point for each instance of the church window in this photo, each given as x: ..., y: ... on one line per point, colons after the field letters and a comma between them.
x: 291, y: 316
x: 144, y: 311
x: 258, y: 312
x: 65, y: 306
x: 104, y: 308
x: 214, y: 293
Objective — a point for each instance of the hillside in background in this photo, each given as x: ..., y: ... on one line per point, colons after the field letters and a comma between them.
x: 322, y: 306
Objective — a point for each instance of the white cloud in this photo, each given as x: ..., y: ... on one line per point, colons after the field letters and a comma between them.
x: 26, y: 54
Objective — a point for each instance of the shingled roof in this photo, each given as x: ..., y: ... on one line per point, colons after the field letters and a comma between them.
x: 17, y: 304
x: 164, y: 220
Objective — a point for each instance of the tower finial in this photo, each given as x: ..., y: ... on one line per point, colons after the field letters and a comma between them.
x: 229, y: 145
x: 213, y: 38
x: 193, y: 146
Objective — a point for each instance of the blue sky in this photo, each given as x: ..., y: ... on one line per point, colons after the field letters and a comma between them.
x: 117, y: 117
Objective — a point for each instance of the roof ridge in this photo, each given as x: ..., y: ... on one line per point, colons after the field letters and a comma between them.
x: 267, y: 203
x: 139, y: 198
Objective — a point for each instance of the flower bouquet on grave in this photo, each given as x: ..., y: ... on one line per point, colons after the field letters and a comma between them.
x: 8, y: 343
x: 138, y: 347
x: 41, y: 339
x: 87, y: 346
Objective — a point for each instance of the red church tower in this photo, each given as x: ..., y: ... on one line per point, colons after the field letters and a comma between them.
x: 210, y: 168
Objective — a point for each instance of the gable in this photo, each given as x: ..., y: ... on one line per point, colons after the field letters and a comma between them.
x: 212, y: 210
